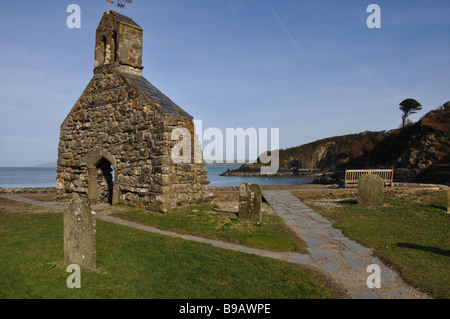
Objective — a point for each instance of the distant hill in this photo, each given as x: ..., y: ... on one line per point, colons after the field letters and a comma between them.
x: 51, y: 164
x: 418, y: 152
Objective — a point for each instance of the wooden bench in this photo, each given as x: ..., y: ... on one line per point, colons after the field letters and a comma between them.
x: 353, y: 175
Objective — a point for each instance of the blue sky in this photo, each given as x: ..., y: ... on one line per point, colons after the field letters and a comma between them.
x: 313, y: 69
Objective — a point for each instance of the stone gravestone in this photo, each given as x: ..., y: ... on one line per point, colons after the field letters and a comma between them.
x: 79, y: 234
x: 250, y: 198
x: 448, y: 201
x: 370, y: 190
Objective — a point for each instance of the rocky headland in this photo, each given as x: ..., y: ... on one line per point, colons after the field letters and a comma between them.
x: 417, y: 153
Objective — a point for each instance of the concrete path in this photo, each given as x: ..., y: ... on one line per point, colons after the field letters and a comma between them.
x: 58, y: 207
x: 343, y: 259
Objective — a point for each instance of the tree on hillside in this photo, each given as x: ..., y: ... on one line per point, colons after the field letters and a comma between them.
x: 408, y: 107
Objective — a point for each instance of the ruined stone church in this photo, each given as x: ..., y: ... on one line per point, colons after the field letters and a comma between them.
x: 116, y: 143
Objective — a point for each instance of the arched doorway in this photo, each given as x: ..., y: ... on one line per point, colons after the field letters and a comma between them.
x: 105, y: 181
x: 102, y: 178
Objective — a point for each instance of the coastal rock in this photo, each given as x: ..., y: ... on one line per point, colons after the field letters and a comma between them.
x: 329, y: 178
x: 418, y: 153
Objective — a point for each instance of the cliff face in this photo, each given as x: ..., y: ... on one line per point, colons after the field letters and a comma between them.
x: 418, y: 146
x: 415, y: 151
x: 332, y: 153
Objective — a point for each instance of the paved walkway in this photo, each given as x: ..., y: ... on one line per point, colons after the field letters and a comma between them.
x: 329, y: 251
x: 58, y: 207
x: 345, y: 260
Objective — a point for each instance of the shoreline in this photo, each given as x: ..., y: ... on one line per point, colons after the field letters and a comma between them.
x: 31, y: 190
x: 281, y: 173
x: 309, y: 186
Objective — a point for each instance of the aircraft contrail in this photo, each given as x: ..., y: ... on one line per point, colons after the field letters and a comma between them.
x: 292, y: 39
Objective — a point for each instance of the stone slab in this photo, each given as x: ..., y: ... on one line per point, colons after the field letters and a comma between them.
x: 80, y: 234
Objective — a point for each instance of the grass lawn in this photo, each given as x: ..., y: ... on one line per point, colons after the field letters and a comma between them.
x: 272, y: 234
x: 410, y: 233
x: 136, y: 264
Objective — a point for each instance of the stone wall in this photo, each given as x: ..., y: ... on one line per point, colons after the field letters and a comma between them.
x: 115, y: 145
x: 115, y: 122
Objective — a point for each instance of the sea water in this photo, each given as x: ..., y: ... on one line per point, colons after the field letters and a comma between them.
x: 217, y: 180
x: 24, y: 177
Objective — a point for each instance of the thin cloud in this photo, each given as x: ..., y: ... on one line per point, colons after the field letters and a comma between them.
x: 292, y: 40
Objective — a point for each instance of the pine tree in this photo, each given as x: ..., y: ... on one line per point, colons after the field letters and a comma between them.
x: 408, y: 107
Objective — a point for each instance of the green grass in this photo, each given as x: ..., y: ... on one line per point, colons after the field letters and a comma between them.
x: 272, y: 234
x: 409, y: 233
x: 136, y: 264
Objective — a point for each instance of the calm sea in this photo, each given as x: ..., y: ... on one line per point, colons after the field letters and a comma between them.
x: 15, y: 177
x: 216, y: 180
x: 22, y: 177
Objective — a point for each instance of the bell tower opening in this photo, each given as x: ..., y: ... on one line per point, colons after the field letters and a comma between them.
x: 116, y: 46
x: 119, y: 42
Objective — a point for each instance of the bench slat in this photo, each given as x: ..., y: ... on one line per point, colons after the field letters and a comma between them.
x: 353, y: 175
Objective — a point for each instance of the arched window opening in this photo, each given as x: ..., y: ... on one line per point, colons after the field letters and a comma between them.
x: 104, y: 49
x: 116, y: 46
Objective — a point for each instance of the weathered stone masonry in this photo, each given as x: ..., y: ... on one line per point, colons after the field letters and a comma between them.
x: 115, y: 144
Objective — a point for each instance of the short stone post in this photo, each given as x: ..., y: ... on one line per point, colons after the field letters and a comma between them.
x: 448, y: 201
x: 370, y: 190
x: 250, y: 198
x: 79, y: 234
